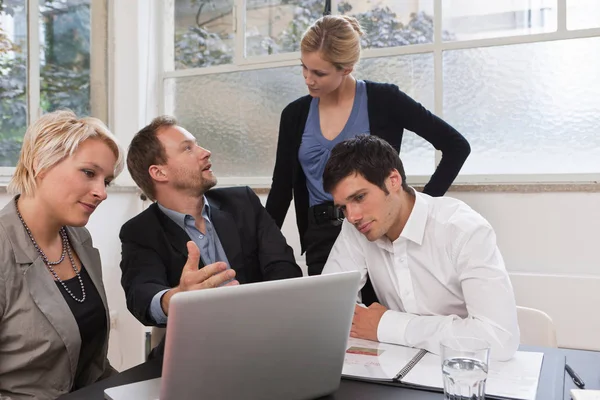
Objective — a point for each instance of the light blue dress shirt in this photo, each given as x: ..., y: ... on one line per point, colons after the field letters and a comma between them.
x: 211, y: 250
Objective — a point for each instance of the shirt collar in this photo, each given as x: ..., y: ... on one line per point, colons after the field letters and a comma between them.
x: 414, y: 230
x: 180, y: 218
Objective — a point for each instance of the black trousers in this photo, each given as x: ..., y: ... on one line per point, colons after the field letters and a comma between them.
x: 319, y: 239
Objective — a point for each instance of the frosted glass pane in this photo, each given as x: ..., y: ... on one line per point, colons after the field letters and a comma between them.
x: 414, y: 75
x: 477, y: 19
x: 530, y: 108
x: 583, y: 14
x: 203, y: 33
x: 392, y: 23
x: 277, y: 26
x: 236, y: 115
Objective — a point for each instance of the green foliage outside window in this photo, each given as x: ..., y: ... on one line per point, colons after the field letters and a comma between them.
x: 65, y: 49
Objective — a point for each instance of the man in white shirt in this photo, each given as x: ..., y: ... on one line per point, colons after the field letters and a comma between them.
x: 433, y: 261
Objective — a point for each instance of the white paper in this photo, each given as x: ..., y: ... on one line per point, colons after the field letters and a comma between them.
x: 580, y: 394
x: 516, y: 379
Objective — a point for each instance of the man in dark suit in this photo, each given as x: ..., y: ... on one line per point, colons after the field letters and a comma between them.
x: 191, y: 238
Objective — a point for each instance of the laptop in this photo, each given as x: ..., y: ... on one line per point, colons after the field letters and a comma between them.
x: 282, y: 339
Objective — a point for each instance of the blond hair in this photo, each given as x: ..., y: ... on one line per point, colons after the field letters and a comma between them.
x: 51, y: 139
x: 337, y: 38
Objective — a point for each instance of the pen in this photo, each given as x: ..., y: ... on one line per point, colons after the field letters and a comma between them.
x: 576, y: 379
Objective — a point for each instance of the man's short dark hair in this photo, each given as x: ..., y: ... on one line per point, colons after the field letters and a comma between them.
x: 371, y: 157
x: 146, y: 150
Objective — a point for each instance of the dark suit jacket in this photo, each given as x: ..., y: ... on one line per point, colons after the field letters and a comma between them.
x: 154, y: 247
x: 391, y: 111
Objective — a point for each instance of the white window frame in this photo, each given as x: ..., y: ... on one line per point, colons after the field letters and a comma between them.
x: 98, y: 66
x: 437, y: 48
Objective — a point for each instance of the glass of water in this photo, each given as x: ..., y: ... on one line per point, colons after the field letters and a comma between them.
x: 465, y: 367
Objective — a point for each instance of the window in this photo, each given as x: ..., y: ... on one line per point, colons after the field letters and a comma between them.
x: 57, y: 54
x: 391, y: 23
x: 468, y: 19
x: 583, y: 14
x: 526, y: 108
x: 516, y: 77
x: 275, y: 26
x: 203, y: 33
x: 239, y: 123
x: 13, y: 80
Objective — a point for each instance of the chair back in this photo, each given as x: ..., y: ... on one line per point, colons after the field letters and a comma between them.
x: 537, y: 328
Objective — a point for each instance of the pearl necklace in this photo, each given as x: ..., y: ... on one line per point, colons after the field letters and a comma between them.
x: 49, y: 264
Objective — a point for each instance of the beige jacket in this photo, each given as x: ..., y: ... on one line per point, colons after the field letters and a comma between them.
x: 39, y: 337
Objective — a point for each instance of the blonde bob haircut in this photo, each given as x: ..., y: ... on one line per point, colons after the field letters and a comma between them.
x: 51, y: 139
x: 336, y: 38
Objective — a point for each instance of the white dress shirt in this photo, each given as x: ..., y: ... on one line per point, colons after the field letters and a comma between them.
x: 443, y: 276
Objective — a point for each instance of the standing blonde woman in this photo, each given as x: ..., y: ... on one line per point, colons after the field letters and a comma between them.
x: 54, y: 319
x: 339, y: 107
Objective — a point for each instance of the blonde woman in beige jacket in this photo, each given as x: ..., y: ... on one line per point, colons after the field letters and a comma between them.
x: 54, y: 319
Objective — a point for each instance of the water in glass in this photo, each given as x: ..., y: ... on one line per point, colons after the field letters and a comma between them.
x: 464, y: 378
x: 464, y: 367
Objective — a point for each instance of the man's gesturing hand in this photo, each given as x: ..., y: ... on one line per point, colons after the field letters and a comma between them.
x: 192, y: 278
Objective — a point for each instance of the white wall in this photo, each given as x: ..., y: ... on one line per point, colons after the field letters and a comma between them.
x: 549, y: 245
x: 126, y: 347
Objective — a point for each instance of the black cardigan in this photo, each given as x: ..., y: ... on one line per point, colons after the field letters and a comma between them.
x: 390, y: 112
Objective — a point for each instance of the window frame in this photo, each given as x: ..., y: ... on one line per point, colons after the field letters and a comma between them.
x: 437, y: 48
x: 99, y: 85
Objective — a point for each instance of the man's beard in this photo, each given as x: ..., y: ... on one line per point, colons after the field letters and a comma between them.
x: 208, y: 184
x: 195, y: 183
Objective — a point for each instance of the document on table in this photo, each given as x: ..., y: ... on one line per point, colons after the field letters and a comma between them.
x: 517, y: 378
